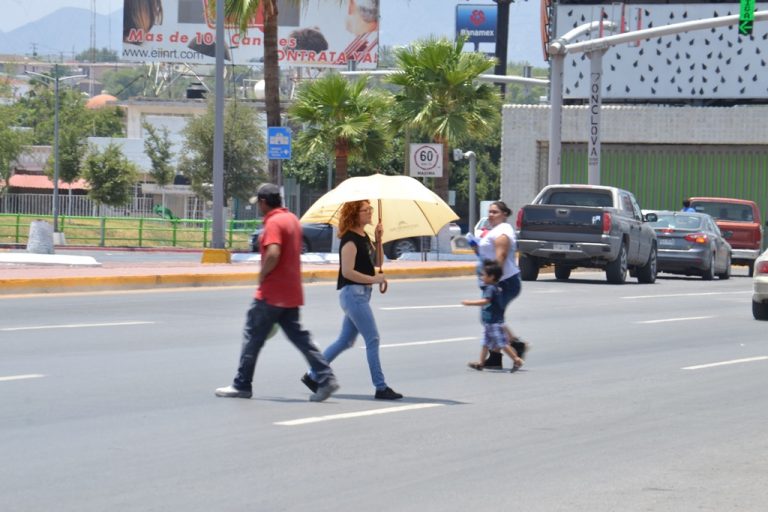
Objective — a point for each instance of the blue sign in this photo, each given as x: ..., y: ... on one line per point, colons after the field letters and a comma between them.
x: 476, y: 22
x: 278, y: 143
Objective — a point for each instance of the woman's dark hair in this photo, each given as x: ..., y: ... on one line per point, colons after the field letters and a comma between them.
x: 501, y: 205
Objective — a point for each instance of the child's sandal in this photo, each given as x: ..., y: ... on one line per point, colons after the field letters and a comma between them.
x: 475, y: 366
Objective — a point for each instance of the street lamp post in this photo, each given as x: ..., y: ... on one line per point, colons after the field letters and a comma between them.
x: 56, y: 79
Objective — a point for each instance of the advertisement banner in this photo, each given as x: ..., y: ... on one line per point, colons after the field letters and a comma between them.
x: 321, y: 33
x: 476, y: 22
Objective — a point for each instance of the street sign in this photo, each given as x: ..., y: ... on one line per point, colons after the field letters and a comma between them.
x: 278, y: 143
x: 426, y: 160
x: 746, y: 17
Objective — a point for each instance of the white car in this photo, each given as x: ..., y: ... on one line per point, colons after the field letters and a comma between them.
x: 760, y: 288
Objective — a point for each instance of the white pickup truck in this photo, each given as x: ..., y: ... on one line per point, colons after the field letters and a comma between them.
x: 571, y: 226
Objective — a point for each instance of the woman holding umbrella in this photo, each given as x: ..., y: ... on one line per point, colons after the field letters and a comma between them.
x: 357, y: 275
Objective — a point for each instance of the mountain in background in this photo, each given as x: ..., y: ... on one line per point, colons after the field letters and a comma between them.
x: 65, y: 32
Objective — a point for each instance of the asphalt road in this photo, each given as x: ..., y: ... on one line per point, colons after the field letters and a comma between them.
x: 633, y: 398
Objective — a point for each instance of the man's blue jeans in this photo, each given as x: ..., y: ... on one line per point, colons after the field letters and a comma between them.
x: 259, y: 321
x: 358, y: 318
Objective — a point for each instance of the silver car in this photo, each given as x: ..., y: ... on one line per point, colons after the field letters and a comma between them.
x: 760, y: 288
x: 691, y: 244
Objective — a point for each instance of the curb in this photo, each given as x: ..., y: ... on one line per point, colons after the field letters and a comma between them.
x: 150, y: 281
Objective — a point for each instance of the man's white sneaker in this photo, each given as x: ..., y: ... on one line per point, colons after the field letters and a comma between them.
x: 324, y: 391
x: 233, y: 392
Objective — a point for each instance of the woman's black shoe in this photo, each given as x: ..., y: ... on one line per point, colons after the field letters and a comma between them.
x: 311, y: 384
x: 493, y: 361
x: 388, y: 394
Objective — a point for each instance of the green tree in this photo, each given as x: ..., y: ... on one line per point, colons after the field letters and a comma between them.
x: 111, y: 176
x: 342, y: 118
x: 242, y: 11
x: 244, y: 151
x: 157, y: 146
x: 439, y: 96
x: 12, y: 142
x: 125, y: 83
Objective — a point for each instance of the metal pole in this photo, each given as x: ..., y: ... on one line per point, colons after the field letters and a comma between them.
x: 502, y: 39
x: 555, y: 118
x: 595, y: 102
x: 470, y: 155
x: 217, y: 232
x: 56, y: 150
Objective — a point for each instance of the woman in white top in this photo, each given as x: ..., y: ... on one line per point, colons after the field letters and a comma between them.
x: 500, y: 244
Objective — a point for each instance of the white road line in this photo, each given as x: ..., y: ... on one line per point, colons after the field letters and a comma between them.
x: 429, y: 342
x: 664, y: 296
x: 71, y: 326
x: 21, y: 377
x: 681, y: 319
x: 723, y: 363
x: 360, y: 414
x: 424, y: 307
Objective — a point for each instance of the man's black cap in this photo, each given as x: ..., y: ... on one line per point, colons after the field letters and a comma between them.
x: 267, y: 189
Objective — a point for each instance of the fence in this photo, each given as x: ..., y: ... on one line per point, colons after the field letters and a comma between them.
x: 73, y: 206
x: 130, y: 231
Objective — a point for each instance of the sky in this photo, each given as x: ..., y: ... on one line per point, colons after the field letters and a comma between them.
x: 402, y: 21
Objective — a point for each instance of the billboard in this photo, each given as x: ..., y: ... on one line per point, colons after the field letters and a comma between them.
x: 476, y: 22
x: 710, y: 64
x: 321, y: 33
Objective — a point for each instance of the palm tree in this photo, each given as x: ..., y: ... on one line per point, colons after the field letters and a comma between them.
x: 242, y: 11
x: 440, y: 98
x: 341, y: 117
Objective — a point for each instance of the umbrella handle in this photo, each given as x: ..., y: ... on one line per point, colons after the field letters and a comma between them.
x: 382, y: 285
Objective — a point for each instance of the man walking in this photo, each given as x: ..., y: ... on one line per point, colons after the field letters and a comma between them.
x: 277, y: 299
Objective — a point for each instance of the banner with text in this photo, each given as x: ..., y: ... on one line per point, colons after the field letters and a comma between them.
x: 322, y: 33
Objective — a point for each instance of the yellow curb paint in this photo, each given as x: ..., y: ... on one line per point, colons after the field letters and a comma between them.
x: 216, y: 256
x: 11, y: 286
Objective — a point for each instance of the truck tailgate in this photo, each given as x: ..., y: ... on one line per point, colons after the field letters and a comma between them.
x: 553, y: 221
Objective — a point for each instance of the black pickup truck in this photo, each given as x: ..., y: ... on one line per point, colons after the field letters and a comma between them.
x: 571, y: 226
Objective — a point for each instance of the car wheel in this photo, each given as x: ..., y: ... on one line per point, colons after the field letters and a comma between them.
x: 726, y: 274
x: 562, y: 272
x: 760, y: 310
x: 708, y: 273
x: 647, y: 273
x: 751, y: 269
x: 304, y: 246
x: 400, y: 247
x: 616, y: 270
x: 529, y: 268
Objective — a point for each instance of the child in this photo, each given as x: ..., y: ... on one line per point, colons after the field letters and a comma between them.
x: 492, y: 316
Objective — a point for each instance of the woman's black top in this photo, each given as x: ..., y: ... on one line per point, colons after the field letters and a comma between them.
x: 363, y: 259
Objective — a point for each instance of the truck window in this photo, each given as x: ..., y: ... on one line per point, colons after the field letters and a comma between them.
x: 726, y: 211
x: 580, y: 198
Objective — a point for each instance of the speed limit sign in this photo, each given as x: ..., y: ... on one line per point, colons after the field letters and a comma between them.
x: 426, y: 160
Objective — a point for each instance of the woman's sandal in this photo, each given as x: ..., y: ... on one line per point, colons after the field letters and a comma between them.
x: 475, y: 366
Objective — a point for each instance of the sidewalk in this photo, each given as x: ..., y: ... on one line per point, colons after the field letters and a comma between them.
x: 35, y: 277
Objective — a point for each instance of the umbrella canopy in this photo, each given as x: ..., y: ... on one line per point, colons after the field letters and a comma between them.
x: 408, y: 208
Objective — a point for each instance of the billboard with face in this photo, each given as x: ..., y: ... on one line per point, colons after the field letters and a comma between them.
x: 317, y: 33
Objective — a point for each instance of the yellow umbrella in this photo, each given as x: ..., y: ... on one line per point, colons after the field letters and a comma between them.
x: 405, y: 206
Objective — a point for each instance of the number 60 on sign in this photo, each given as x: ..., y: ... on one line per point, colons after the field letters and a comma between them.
x: 426, y: 160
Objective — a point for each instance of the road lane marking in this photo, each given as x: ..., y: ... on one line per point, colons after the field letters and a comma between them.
x: 723, y: 363
x: 360, y: 414
x: 427, y: 342
x: 21, y: 377
x: 668, y: 295
x: 680, y: 319
x: 444, y: 306
x: 71, y: 326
